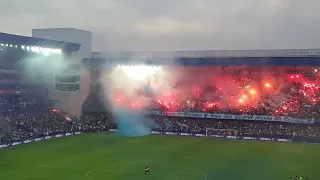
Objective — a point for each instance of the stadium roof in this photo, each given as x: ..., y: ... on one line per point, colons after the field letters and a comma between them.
x: 277, y: 57
x: 213, y: 53
x: 39, y: 42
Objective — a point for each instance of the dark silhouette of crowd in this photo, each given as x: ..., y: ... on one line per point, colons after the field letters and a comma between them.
x: 242, y: 128
x: 28, y: 126
x: 26, y: 113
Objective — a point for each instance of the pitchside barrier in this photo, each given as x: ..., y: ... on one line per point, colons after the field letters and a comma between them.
x: 38, y: 139
x: 296, y: 139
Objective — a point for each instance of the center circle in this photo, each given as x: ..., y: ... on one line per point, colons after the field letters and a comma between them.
x: 181, y: 172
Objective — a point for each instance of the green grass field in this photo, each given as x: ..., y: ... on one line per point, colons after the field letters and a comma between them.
x: 104, y: 156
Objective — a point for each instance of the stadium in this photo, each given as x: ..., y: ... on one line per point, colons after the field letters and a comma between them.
x: 198, y: 115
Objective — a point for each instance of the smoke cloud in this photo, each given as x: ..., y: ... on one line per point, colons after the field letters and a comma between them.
x: 132, y: 122
x: 41, y: 70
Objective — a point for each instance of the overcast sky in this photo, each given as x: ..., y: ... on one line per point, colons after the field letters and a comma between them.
x: 173, y: 24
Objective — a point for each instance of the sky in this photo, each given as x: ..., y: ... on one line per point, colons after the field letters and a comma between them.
x: 149, y: 25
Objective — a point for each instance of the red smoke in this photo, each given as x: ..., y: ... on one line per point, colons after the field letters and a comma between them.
x: 214, y: 88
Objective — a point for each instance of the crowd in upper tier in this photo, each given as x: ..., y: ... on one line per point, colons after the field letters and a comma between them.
x: 297, y: 100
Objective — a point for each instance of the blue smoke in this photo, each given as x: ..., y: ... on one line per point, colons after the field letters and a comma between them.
x: 132, y: 122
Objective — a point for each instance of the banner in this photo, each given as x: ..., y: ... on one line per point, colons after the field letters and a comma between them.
x: 232, y: 117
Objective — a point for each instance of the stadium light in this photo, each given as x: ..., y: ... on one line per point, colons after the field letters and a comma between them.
x: 41, y: 50
x: 36, y: 49
x: 2, y: 44
x: 10, y: 45
x: 139, y: 72
x: 57, y: 51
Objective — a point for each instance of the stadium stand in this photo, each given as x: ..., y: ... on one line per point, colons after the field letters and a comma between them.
x: 27, y: 118
x: 25, y: 110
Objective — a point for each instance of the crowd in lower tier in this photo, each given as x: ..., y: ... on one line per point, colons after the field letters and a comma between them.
x: 30, y: 126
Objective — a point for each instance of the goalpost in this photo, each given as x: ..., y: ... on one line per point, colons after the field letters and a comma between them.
x: 212, y: 132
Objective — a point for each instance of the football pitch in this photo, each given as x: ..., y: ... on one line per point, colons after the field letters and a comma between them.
x: 102, y: 156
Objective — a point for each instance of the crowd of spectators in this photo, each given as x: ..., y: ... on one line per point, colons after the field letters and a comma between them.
x: 23, y: 118
x: 294, y: 103
x: 9, y: 78
x: 242, y: 128
x: 38, y: 121
x: 27, y: 126
x: 94, y: 103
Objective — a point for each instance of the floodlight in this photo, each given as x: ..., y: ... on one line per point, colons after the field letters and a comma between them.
x: 36, y: 49
x: 58, y: 51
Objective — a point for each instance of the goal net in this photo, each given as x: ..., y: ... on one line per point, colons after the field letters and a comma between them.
x: 212, y: 132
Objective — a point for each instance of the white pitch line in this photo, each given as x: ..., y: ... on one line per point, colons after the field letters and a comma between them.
x: 123, y: 172
x: 88, y: 173
x: 95, y: 169
x: 100, y: 168
x: 301, y: 149
x: 205, y: 176
x: 44, y: 165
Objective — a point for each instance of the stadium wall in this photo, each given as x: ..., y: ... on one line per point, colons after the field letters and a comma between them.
x: 71, y: 101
